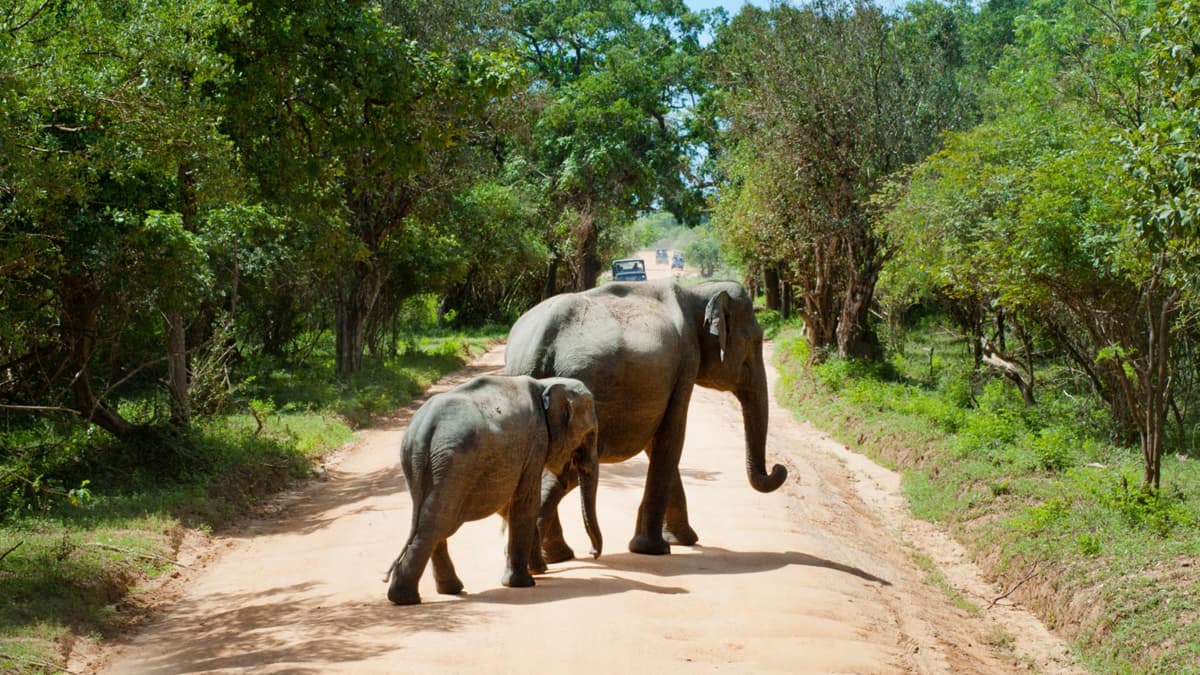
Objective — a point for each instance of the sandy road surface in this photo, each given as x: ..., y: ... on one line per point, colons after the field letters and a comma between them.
x: 816, y: 577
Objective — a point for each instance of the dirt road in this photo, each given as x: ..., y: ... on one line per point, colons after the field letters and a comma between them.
x: 820, y: 576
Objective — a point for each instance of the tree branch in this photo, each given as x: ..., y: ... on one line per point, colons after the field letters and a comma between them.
x: 1032, y: 574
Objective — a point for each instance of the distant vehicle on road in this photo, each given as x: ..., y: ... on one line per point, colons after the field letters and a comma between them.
x: 629, y: 269
x: 677, y: 261
x: 660, y: 256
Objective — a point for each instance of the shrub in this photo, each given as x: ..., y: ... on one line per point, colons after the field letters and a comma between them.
x: 1145, y: 509
x: 1054, y: 448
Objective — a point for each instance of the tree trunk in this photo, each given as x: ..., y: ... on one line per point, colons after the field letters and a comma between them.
x: 770, y: 275
x: 178, y: 381
x: 354, y: 305
x: 819, y: 303
x: 80, y: 321
x: 177, y: 374
x: 587, y: 261
x: 551, y: 287
x: 855, y: 336
x: 1156, y: 383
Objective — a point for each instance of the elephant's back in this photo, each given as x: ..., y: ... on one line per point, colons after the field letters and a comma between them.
x: 627, y: 349
x: 576, y: 334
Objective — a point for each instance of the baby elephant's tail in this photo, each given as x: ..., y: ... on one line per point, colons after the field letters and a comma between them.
x: 392, y: 569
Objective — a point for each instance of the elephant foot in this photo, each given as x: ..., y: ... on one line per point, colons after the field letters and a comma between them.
x: 681, y: 536
x: 400, y: 595
x: 450, y: 587
x: 647, y: 545
x: 513, y: 579
x: 556, y: 551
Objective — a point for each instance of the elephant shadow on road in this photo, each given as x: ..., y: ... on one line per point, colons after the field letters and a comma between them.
x: 632, y: 473
x: 715, y: 560
x: 298, y: 624
x: 291, y: 625
x: 552, y: 588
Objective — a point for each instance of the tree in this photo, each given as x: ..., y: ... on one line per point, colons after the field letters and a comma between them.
x: 611, y: 137
x: 377, y: 99
x: 824, y: 102
x: 1040, y: 211
x: 110, y: 158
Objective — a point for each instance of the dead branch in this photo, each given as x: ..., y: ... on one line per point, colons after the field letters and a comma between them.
x: 14, y: 547
x: 1011, y: 370
x: 50, y: 667
x: 136, y: 553
x: 40, y: 408
x: 1032, y: 574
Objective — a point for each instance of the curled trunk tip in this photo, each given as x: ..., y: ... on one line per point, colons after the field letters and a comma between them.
x: 769, y: 483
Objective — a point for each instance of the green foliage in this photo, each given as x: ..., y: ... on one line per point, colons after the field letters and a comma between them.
x: 1158, y: 512
x: 1021, y: 485
x: 91, y: 515
x: 824, y: 101
x: 1048, y: 210
x: 610, y: 140
x: 704, y: 252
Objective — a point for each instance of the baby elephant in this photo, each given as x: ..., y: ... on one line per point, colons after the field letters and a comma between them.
x: 480, y: 449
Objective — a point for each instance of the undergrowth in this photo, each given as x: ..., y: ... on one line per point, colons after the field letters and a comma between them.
x: 1050, y: 493
x: 85, y: 518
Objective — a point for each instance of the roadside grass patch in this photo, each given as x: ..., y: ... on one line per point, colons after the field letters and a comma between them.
x: 85, y: 519
x: 1049, y: 494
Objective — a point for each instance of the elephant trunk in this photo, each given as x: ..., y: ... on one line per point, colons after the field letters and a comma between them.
x: 587, y: 463
x: 755, y: 402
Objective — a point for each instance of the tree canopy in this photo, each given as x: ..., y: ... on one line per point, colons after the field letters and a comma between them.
x: 200, y: 182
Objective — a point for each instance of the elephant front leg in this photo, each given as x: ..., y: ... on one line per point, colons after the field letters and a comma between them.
x: 648, y: 534
x: 676, y: 529
x: 522, y: 532
x: 554, y: 488
x: 664, y: 454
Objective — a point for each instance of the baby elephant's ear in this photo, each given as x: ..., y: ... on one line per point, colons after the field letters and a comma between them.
x: 558, y: 408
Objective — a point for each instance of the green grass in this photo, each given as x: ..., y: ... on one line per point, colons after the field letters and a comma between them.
x: 84, y: 519
x: 1051, y: 489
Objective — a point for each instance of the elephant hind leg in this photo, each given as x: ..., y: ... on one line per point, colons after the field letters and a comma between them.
x: 554, y: 488
x: 407, y: 570
x: 444, y: 575
x: 433, y: 523
x: 676, y: 529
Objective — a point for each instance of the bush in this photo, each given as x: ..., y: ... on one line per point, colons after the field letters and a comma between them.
x: 1144, y: 509
x: 1054, y: 448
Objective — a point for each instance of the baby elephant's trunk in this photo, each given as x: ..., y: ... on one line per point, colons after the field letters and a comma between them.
x: 588, y: 464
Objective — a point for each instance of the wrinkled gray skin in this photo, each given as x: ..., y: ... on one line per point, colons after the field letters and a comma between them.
x: 481, y: 449
x: 640, y: 348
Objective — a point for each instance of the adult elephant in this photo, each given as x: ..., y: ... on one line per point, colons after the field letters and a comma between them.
x: 640, y: 348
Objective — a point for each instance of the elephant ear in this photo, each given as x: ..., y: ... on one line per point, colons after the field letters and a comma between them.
x: 558, y: 409
x: 716, y: 317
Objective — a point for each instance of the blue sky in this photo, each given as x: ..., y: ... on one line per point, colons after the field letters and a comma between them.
x: 732, y: 6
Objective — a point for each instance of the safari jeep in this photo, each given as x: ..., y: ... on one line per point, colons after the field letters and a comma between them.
x: 629, y: 269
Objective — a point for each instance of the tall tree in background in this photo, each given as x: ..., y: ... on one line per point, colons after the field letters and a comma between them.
x: 611, y: 82
x: 349, y: 112
x: 824, y: 101
x: 1046, y: 213
x: 110, y: 160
